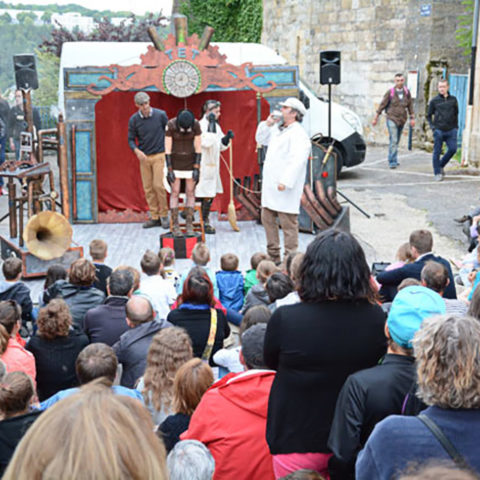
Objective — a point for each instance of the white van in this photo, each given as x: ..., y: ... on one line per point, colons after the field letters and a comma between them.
x: 347, y: 131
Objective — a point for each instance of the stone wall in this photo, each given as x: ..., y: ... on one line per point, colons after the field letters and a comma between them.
x: 377, y: 38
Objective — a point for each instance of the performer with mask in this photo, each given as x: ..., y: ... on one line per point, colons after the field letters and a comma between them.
x: 183, y: 155
x: 213, y: 142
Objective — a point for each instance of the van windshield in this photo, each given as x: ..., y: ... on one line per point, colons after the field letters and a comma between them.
x: 310, y: 92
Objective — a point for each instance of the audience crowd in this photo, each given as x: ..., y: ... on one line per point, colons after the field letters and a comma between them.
x: 311, y: 369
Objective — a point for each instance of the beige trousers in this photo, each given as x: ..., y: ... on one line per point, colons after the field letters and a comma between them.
x: 289, y: 224
x: 151, y: 171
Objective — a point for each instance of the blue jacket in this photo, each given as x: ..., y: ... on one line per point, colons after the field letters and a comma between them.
x: 230, y: 287
x: 397, y: 441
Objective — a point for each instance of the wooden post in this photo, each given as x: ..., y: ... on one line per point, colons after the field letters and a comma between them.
x: 63, y: 166
x: 11, y: 207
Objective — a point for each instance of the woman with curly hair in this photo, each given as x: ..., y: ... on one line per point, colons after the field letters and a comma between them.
x: 336, y: 330
x: 12, y: 353
x: 206, y: 325
x: 79, y: 292
x: 169, y: 350
x: 55, y: 347
x: 446, y: 350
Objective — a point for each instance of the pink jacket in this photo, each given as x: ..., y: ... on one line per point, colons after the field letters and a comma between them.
x: 16, y: 358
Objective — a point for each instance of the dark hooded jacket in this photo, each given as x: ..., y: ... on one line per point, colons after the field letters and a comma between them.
x: 19, y: 292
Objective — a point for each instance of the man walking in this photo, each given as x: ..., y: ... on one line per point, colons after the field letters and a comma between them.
x: 396, y: 102
x: 147, y: 126
x: 444, y: 124
x: 283, y: 175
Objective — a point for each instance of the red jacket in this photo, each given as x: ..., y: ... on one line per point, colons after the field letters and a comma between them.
x: 231, y: 421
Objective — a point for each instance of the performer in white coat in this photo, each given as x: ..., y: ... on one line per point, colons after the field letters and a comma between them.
x: 213, y: 142
x: 283, y: 175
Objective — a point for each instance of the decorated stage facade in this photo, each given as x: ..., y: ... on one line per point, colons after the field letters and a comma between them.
x: 99, y: 81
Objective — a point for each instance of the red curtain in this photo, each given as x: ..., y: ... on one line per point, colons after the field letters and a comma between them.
x: 118, y: 173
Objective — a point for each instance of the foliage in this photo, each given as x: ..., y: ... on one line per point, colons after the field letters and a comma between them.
x: 26, y: 17
x: 48, y: 66
x: 5, y: 19
x: 132, y: 29
x: 464, y: 30
x: 233, y: 20
x: 71, y: 7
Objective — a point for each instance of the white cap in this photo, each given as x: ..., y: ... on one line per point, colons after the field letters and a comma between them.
x: 294, y: 103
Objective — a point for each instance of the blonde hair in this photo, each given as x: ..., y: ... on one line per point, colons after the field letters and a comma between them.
x: 192, y: 380
x: 404, y: 253
x: 200, y: 254
x: 170, y: 348
x: 92, y: 434
x: 446, y: 350
x: 167, y: 256
x: 98, y: 249
x: 265, y: 269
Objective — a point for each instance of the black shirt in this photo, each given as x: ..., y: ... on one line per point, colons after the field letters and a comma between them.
x: 149, y: 131
x: 4, y: 113
x: 102, y: 272
x: 444, y: 111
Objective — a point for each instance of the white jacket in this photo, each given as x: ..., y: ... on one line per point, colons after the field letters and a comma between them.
x: 285, y: 163
x: 210, y: 183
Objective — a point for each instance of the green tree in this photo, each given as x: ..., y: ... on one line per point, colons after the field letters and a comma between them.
x: 233, y: 20
x: 46, y: 16
x: 465, y: 24
x: 48, y: 66
x: 5, y: 19
x: 27, y: 18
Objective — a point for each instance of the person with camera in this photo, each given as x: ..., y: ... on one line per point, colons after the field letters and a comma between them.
x: 213, y: 142
x: 183, y: 153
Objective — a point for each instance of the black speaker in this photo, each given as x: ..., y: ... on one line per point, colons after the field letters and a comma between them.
x: 25, y: 72
x: 329, y: 67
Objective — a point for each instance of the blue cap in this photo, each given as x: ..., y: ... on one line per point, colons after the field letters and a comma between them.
x: 409, y: 308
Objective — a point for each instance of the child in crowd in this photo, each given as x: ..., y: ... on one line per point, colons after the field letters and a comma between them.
x: 294, y: 274
x: 55, y: 272
x: 13, y: 289
x: 192, y: 380
x: 251, y: 275
x: 257, y: 294
x: 200, y: 258
x: 98, y: 252
x: 167, y: 259
x: 230, y: 282
x: 16, y: 395
x: 278, y: 286
x: 228, y: 358
x: 160, y: 292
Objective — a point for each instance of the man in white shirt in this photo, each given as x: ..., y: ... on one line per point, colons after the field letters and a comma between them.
x: 283, y: 175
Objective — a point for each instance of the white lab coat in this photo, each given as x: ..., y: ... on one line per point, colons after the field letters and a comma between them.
x: 285, y: 163
x: 210, y: 183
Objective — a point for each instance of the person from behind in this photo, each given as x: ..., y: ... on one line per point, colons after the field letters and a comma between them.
x: 14, y: 289
x: 200, y: 258
x: 12, y: 353
x: 435, y: 276
x: 230, y: 282
x: 447, y: 366
x: 107, y: 322
x: 55, y: 347
x: 95, y: 361
x: 167, y: 259
x: 98, y: 252
x: 159, y: 291
x: 78, y: 292
x: 190, y: 459
x: 54, y: 272
x: 169, y: 350
x: 229, y: 358
x: 251, y: 275
x: 91, y: 434
x: 132, y: 347
x: 278, y: 286
x: 370, y: 395
x: 231, y: 416
x: 17, y: 393
x: 258, y: 294
x: 437, y: 471
x: 303, y: 474
x: 294, y: 274
x: 196, y: 313
x: 192, y: 380
x: 421, y: 245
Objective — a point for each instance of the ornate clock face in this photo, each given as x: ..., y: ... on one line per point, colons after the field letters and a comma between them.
x: 181, y: 78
